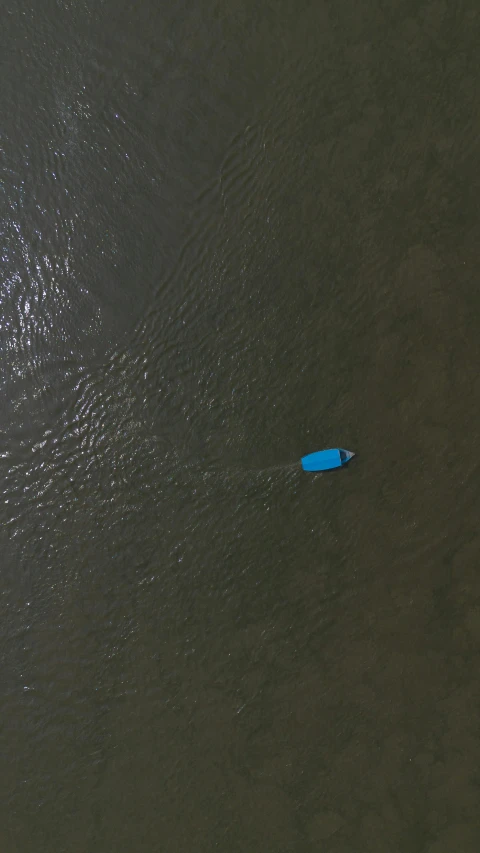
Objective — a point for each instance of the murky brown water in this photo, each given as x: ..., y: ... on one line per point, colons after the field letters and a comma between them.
x: 230, y: 235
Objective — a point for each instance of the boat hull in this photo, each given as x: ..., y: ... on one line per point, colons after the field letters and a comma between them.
x: 326, y: 460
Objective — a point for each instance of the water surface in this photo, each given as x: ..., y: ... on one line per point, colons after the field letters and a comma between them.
x: 232, y: 234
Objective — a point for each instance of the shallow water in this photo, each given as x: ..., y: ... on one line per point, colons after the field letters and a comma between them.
x: 232, y: 235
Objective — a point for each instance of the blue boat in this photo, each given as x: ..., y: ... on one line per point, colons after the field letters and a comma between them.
x: 325, y: 460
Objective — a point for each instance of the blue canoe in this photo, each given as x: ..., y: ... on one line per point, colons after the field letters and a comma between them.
x: 324, y: 460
